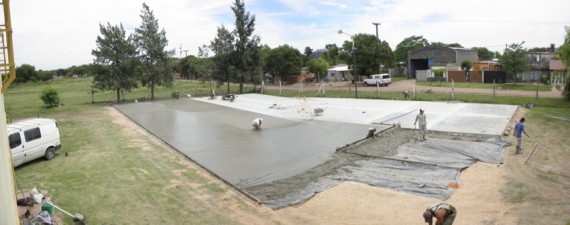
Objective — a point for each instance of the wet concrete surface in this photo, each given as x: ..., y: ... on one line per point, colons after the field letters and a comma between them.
x: 295, y: 155
x: 222, y: 139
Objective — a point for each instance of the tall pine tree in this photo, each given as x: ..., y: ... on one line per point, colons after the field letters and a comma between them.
x: 247, y: 56
x: 115, y: 60
x: 151, y: 42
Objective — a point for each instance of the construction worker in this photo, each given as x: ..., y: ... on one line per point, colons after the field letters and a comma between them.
x: 423, y: 124
x: 519, y: 130
x: 256, y: 123
x: 443, y: 212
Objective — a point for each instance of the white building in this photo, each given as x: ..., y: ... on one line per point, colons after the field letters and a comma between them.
x: 338, y: 73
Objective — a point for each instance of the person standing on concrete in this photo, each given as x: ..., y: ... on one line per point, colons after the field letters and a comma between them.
x: 423, y: 124
x: 443, y: 212
x: 519, y: 130
x: 256, y: 123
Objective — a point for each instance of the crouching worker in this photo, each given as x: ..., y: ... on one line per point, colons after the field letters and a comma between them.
x: 256, y: 123
x: 443, y: 212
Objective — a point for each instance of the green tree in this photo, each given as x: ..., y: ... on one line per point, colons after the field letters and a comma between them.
x: 246, y: 56
x: 79, y: 70
x: 466, y: 66
x: 283, y: 61
x: 307, y: 55
x: 484, y: 53
x: 187, y: 67
x: 407, y: 45
x: 43, y: 75
x: 25, y: 73
x: 223, y: 48
x: 332, y: 54
x: 61, y: 72
x: 539, y: 49
x: 319, y: 67
x: 454, y: 45
x: 205, y: 64
x: 50, y: 97
x: 115, y: 60
x: 564, y: 55
x: 513, y: 60
x: 369, y: 53
x: 308, y: 51
x: 441, y: 44
x: 151, y: 42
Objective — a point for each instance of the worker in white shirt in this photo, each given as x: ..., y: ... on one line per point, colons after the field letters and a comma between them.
x: 256, y: 123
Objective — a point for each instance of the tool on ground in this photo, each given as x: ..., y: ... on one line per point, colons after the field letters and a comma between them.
x: 531, y: 155
x: 78, y: 218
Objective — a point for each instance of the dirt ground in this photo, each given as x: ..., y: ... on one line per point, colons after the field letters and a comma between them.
x: 478, y: 198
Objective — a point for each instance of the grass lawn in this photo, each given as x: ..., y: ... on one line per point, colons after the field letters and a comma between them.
x: 113, y: 176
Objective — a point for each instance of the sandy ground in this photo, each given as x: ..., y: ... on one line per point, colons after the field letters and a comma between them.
x: 478, y: 199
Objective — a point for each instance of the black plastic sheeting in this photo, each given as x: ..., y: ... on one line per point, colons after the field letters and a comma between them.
x: 420, y: 168
x: 282, y: 165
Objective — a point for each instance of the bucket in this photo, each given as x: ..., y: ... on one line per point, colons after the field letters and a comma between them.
x: 47, y: 207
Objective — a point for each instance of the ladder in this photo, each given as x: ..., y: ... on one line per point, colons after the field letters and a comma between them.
x: 7, y: 65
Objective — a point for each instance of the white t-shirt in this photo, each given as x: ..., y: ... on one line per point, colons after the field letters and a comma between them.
x: 436, y: 207
x: 257, y: 122
x: 421, y: 118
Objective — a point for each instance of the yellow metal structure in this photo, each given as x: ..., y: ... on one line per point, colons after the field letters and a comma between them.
x: 7, y: 65
x: 8, y: 208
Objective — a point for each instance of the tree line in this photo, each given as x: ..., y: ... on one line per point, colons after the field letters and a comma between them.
x: 235, y: 55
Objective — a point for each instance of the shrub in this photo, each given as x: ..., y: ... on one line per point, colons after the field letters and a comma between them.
x: 438, y: 72
x: 544, y: 78
x: 175, y: 94
x: 50, y: 97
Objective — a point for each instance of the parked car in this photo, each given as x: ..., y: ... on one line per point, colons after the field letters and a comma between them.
x: 33, y: 138
x: 383, y: 79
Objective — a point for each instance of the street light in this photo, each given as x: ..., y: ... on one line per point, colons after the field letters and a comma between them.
x: 353, y: 63
x: 380, y: 65
x: 376, y: 24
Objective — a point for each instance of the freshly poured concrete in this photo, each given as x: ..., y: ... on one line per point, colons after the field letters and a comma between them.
x: 441, y: 116
x: 223, y: 140
x: 295, y: 143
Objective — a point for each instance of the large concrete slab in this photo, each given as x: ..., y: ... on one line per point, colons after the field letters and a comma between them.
x: 295, y: 142
x: 491, y: 119
x: 222, y: 139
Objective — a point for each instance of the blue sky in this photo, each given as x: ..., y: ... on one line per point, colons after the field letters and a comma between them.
x: 60, y: 34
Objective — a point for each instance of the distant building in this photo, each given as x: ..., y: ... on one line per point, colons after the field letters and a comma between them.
x: 558, y: 72
x: 486, y: 66
x: 539, y: 63
x: 423, y: 59
x: 338, y: 73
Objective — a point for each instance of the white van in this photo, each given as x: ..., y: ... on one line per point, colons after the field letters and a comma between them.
x: 383, y: 79
x: 33, y: 138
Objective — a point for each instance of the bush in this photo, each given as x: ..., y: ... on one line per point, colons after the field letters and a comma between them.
x: 438, y: 72
x: 544, y: 78
x: 175, y: 94
x: 50, y: 97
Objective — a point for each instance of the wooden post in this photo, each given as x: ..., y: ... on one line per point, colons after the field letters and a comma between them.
x: 536, y: 98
